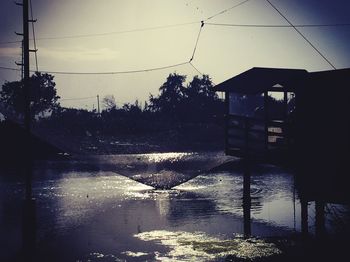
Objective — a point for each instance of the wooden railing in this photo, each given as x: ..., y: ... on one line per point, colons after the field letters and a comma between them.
x: 248, y: 135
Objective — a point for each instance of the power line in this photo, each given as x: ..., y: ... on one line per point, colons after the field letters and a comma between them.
x: 102, y: 73
x: 226, y: 10
x: 115, y: 72
x: 213, y: 24
x: 88, y: 98
x: 118, y: 32
x: 195, y: 68
x: 174, y: 25
x: 302, y: 35
x: 279, y: 26
x: 9, y: 68
x: 78, y: 98
x: 196, y: 44
x: 11, y: 42
x: 129, y: 31
x: 108, y: 33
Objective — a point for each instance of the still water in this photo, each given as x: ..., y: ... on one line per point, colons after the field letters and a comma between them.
x: 100, y: 215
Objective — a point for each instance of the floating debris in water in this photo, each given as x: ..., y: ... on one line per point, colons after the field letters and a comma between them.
x: 187, y: 246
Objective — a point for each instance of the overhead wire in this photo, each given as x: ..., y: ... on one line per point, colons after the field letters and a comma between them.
x: 226, y: 10
x: 197, y: 40
x: 78, y: 98
x: 203, y: 22
x: 118, y: 32
x: 109, y: 33
x: 278, y: 26
x: 196, y: 69
x: 301, y: 34
x: 10, y: 42
x: 212, y: 24
x: 9, y: 68
x: 131, y: 30
x: 102, y: 73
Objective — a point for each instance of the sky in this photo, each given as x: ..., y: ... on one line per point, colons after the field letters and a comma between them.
x: 90, y: 36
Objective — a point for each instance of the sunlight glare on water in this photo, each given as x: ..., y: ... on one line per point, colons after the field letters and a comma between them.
x: 198, y: 246
x: 172, y: 157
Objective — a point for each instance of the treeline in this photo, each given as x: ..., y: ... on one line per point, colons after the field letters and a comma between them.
x: 177, y: 106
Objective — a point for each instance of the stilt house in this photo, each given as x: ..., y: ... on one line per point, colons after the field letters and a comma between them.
x: 288, y: 115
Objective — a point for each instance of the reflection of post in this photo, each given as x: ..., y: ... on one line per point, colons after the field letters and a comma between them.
x: 285, y: 120
x: 266, y: 119
x: 227, y: 119
x: 304, y: 217
x: 29, y: 229
x: 320, y: 219
x: 246, y: 200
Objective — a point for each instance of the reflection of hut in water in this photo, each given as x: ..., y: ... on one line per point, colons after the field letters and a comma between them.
x: 289, y: 115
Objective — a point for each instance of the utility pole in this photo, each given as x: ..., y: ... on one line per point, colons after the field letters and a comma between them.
x: 26, y: 65
x: 98, y: 104
x: 26, y: 88
x: 29, y: 211
x: 22, y: 62
x: 27, y: 95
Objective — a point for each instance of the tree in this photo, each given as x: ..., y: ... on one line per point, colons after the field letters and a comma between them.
x: 43, y: 95
x: 171, y: 95
x: 201, y: 103
x: 200, y: 88
x: 109, y: 102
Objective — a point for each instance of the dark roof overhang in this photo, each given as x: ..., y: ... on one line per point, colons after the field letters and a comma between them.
x: 258, y: 80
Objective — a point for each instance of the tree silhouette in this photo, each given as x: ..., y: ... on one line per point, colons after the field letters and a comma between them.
x: 109, y: 102
x: 195, y: 102
x: 200, y: 88
x: 43, y: 95
x: 171, y: 95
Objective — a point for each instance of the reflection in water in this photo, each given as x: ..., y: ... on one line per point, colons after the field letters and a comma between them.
x: 161, y: 171
x: 135, y: 254
x: 101, y: 216
x: 29, y: 229
x: 246, y: 203
x: 304, y: 217
x: 172, y: 157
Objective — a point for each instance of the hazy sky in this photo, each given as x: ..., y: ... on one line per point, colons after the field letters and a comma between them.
x: 222, y: 52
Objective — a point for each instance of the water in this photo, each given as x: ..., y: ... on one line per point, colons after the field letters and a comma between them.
x: 103, y: 216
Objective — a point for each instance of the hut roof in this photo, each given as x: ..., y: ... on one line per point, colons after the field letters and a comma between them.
x: 259, y: 79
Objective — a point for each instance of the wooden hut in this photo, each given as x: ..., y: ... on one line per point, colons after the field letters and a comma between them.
x: 284, y: 115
